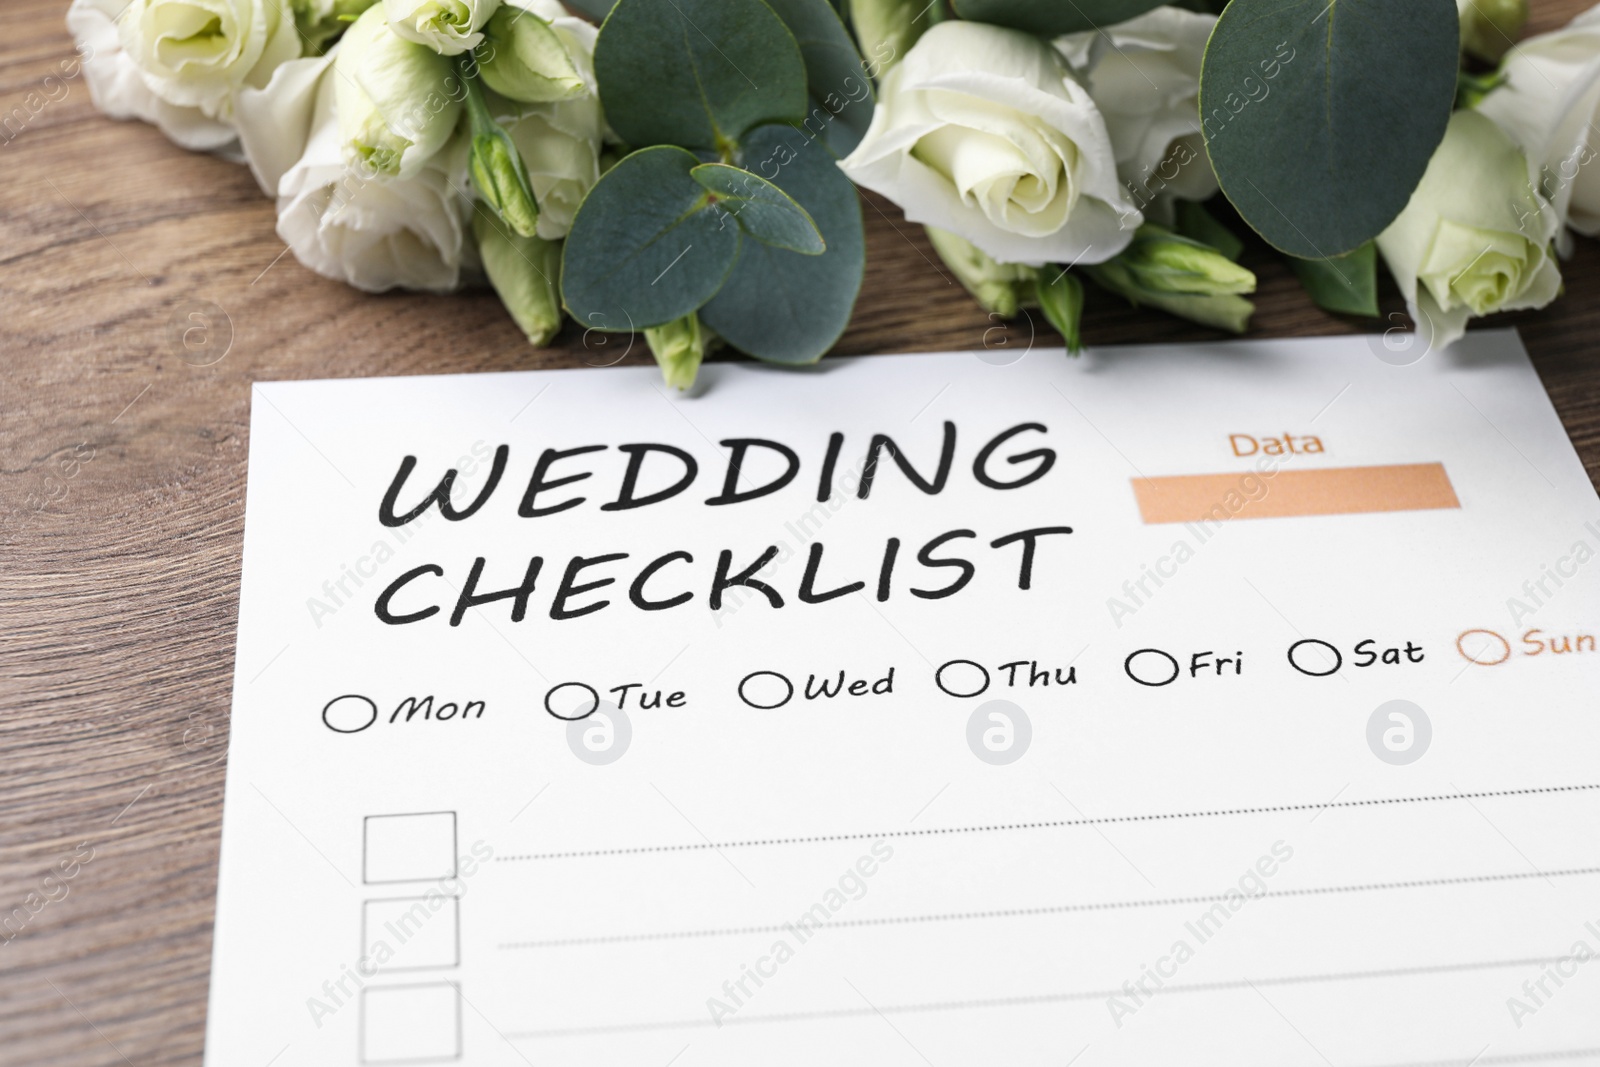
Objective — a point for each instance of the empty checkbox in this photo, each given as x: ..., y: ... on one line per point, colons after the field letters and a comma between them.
x: 409, y: 848
x: 410, y: 1023
x: 411, y: 933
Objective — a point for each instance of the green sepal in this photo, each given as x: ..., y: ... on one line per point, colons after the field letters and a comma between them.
x: 1347, y: 285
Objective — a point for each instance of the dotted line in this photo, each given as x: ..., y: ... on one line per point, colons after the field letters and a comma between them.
x: 1026, y: 1001
x: 701, y: 846
x: 1053, y: 909
x: 1514, y: 1057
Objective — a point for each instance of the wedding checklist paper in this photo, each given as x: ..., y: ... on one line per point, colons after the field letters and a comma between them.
x: 1220, y: 704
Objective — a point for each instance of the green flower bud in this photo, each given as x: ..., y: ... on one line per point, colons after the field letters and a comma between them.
x: 498, y: 171
x: 1061, y: 300
x: 1161, y: 261
x: 1180, y: 276
x: 397, y: 101
x: 1231, y: 313
x: 679, y: 346
x: 522, y: 58
x: 501, y: 179
x: 1490, y: 27
x: 526, y: 272
x: 1225, y: 311
x: 886, y: 29
x: 998, y: 287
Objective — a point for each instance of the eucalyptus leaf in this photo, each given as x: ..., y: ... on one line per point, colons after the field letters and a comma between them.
x: 1347, y: 285
x: 764, y: 211
x: 647, y: 245
x: 697, y: 73
x: 1320, y: 116
x: 836, y: 79
x: 783, y: 306
x: 1051, y: 17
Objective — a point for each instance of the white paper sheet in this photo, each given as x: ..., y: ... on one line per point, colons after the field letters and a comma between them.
x: 1264, y: 861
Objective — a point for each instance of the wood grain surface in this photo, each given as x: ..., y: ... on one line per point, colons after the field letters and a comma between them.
x: 122, y: 472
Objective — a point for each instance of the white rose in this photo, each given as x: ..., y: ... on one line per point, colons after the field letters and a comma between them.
x: 983, y: 132
x: 1549, y: 105
x: 118, y: 89
x: 196, y: 53
x: 1475, y: 237
x: 449, y: 27
x: 560, y: 141
x: 1144, y: 75
x: 370, y: 231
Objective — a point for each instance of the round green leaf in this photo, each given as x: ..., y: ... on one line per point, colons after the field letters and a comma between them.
x: 783, y: 306
x: 697, y: 73
x: 841, y: 92
x: 1320, y: 117
x: 1050, y: 17
x: 647, y: 246
x: 764, y: 211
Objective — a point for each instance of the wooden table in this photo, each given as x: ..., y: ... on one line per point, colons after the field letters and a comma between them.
x: 122, y: 469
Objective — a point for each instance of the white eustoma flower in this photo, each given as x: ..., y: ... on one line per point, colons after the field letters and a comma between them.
x: 1475, y: 238
x: 197, y: 53
x: 274, y: 122
x: 560, y: 146
x: 397, y: 101
x: 1144, y: 76
x: 368, y: 230
x: 449, y: 27
x: 1550, y: 105
x: 118, y: 89
x: 982, y: 131
x: 560, y: 141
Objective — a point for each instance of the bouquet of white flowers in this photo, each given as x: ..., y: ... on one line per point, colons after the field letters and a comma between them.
x: 685, y: 168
